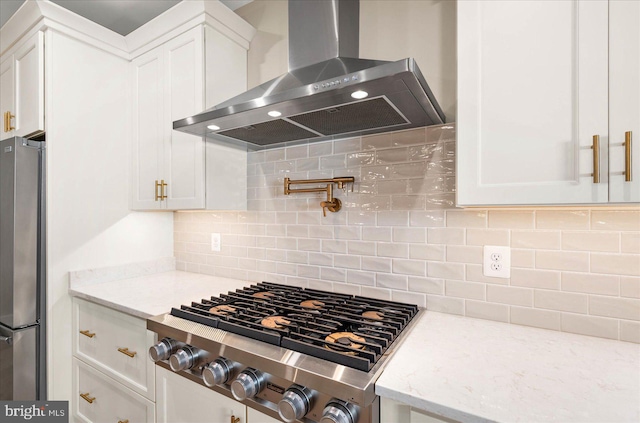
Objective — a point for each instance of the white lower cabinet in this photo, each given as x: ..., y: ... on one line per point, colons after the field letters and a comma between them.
x: 113, y: 378
x: 180, y: 400
x: 394, y: 411
x: 102, y: 399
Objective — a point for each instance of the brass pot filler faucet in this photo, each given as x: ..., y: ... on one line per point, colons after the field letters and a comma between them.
x: 331, y: 204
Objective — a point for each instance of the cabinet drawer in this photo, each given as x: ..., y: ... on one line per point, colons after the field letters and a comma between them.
x: 101, y: 399
x: 116, y: 344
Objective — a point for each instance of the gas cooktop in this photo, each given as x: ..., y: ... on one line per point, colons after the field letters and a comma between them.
x: 349, y: 330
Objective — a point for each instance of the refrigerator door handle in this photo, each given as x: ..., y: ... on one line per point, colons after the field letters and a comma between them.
x: 7, y: 339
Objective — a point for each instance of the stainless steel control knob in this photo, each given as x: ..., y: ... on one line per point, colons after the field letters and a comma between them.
x: 163, y: 349
x: 295, y: 403
x: 247, y: 385
x: 217, y: 372
x: 185, y: 358
x: 338, y: 411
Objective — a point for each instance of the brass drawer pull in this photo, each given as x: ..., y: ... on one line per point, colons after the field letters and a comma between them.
x: 596, y: 159
x: 235, y: 419
x: 126, y: 351
x: 87, y: 333
x: 627, y: 156
x: 87, y: 398
x: 123, y: 421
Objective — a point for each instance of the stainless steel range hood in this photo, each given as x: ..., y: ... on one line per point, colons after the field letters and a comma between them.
x: 321, y: 96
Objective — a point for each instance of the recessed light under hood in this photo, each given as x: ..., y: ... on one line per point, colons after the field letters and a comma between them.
x: 318, y: 98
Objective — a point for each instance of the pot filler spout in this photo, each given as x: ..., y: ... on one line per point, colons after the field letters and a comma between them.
x: 328, y: 92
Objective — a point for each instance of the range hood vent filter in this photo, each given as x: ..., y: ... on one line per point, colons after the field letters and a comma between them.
x: 360, y: 116
x: 269, y: 132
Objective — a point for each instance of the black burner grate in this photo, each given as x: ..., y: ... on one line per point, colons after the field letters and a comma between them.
x: 349, y: 330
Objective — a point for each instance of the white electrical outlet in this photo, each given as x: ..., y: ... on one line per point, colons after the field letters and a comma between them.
x: 215, y: 242
x: 497, y: 261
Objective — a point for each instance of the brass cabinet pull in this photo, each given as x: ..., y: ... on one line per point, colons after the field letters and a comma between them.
x: 596, y: 159
x: 163, y: 195
x: 627, y: 156
x: 123, y: 421
x: 158, y: 197
x: 7, y: 122
x: 126, y: 351
x: 87, y: 398
x: 235, y: 419
x: 87, y: 333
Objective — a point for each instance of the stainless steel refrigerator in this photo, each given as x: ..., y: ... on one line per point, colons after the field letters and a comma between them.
x: 22, y: 270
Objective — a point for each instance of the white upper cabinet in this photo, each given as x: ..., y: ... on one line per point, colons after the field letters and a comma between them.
x: 182, y: 77
x: 624, y: 101
x: 22, y: 89
x: 168, y: 84
x: 533, y: 94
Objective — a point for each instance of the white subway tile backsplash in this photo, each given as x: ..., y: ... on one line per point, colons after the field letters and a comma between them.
x: 630, y: 286
x: 488, y: 311
x: 472, y: 290
x: 563, y: 220
x: 589, y: 283
x: 544, y: 319
x: 398, y: 236
x: 414, y: 235
x: 510, y: 295
x: 450, y: 236
x: 511, y: 219
x: 545, y: 240
x: 630, y: 331
x: 426, y: 285
x: 621, y: 264
x: 385, y: 280
x: 488, y: 237
x: 591, y: 241
x: 534, y: 278
x: 615, y: 220
x: 466, y: 219
x: 561, y: 260
x: 376, y: 264
x: 621, y: 308
x: 409, y: 267
x: 589, y: 325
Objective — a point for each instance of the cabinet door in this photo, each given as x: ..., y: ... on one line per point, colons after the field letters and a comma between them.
x: 532, y: 93
x: 29, y: 87
x: 7, y: 94
x: 179, y: 399
x: 624, y: 99
x: 393, y: 411
x: 148, y: 129
x: 184, y: 96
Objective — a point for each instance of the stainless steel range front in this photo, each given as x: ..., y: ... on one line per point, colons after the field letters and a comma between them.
x: 294, y: 353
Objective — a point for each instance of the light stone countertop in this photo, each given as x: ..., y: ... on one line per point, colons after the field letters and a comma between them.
x: 476, y: 370
x: 457, y: 367
x: 150, y: 295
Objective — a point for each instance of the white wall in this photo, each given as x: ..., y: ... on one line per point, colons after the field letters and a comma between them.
x: 88, y: 217
x: 389, y: 30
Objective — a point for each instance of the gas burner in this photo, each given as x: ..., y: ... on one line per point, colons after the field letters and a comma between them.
x: 222, y: 310
x: 373, y: 315
x: 275, y: 322
x: 345, y: 342
x: 312, y: 304
x: 263, y: 295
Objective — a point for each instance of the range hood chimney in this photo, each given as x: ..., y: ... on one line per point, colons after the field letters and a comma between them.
x: 328, y: 93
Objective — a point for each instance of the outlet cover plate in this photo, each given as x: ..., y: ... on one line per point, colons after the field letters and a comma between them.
x: 215, y: 242
x: 496, y: 261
